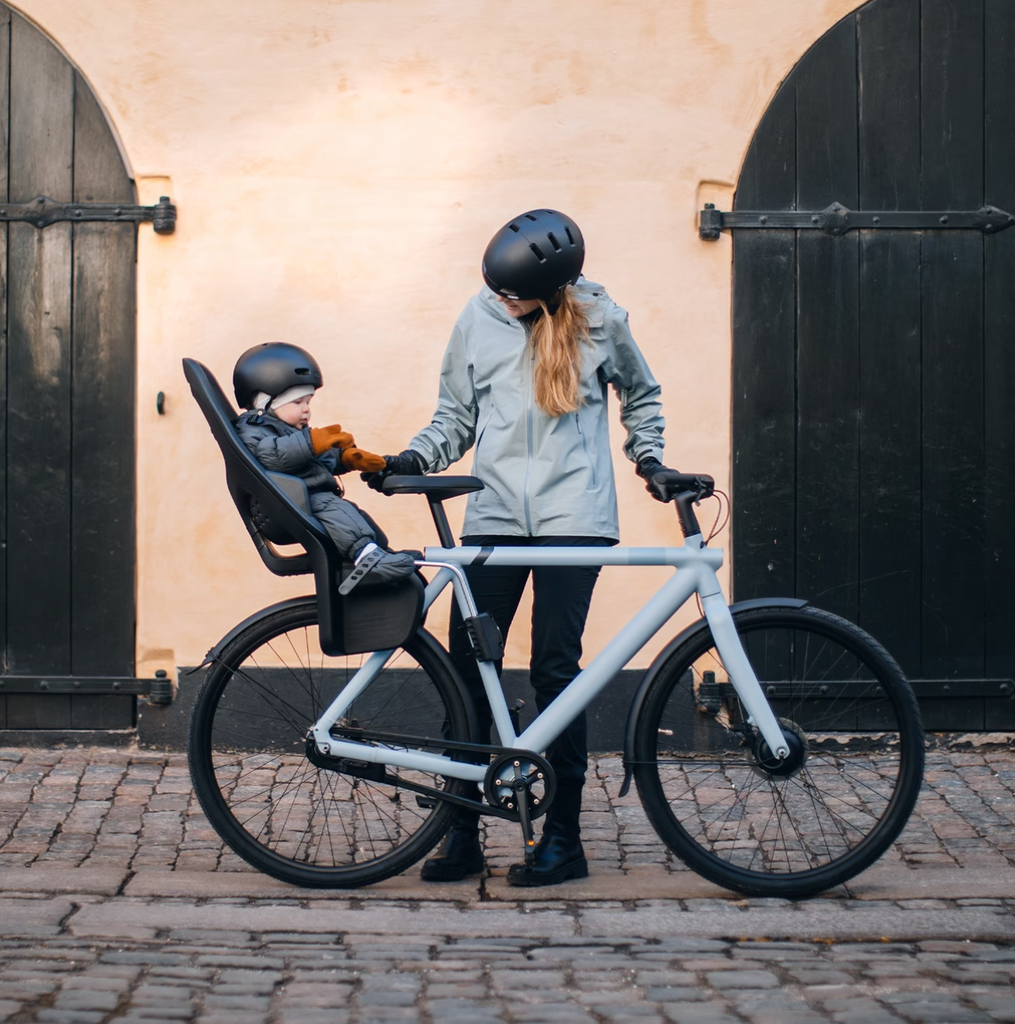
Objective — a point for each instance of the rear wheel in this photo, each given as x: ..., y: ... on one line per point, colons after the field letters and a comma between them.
x: 748, y: 822
x: 305, y: 824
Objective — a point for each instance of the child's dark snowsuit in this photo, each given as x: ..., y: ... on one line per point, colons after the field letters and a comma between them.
x: 285, y: 449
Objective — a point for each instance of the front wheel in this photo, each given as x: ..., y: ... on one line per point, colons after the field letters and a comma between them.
x: 748, y: 822
x: 290, y: 818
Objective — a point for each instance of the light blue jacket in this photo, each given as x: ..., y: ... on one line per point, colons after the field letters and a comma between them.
x: 544, y: 475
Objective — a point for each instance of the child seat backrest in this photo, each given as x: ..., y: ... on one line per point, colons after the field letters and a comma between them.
x: 275, y: 508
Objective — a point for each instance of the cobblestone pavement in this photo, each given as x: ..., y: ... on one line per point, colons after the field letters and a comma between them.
x: 118, y: 903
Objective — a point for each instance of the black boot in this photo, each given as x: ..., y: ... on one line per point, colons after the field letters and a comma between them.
x: 558, y: 855
x: 556, y: 860
x: 458, y: 856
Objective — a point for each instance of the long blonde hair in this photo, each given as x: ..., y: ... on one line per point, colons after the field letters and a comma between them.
x: 556, y: 339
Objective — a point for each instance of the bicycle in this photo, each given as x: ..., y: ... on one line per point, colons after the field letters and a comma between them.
x: 777, y: 748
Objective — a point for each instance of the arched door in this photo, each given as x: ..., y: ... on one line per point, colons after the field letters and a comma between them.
x: 874, y: 367
x: 67, y: 531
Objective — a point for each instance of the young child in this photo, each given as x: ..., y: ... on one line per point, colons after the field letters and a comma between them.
x: 276, y: 382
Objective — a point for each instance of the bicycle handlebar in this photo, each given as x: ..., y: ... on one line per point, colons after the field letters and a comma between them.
x: 686, y: 490
x: 668, y: 484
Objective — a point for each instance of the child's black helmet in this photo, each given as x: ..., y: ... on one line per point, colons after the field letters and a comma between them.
x: 273, y: 367
x: 534, y: 255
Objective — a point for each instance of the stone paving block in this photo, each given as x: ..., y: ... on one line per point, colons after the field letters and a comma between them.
x: 19, y: 915
x: 998, y: 1003
x: 711, y: 1012
x: 669, y: 994
x: 654, y: 883
x: 466, y: 1011
x: 150, y: 1014
x: 810, y: 921
x: 636, y: 1014
x: 559, y: 1013
x: 738, y: 979
x: 86, y: 999
x: 51, y: 1015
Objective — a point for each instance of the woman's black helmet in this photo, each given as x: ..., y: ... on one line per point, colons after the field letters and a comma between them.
x: 272, y: 368
x: 534, y: 256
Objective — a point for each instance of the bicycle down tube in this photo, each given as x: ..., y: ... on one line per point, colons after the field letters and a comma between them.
x: 695, y: 572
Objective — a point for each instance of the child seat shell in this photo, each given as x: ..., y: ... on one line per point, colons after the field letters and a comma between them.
x: 274, y: 508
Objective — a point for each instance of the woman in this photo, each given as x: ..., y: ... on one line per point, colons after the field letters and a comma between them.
x: 524, y: 382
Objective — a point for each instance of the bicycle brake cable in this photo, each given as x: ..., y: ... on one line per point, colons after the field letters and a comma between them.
x: 718, y: 527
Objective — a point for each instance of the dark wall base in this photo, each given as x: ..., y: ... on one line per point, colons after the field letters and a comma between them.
x: 164, y: 726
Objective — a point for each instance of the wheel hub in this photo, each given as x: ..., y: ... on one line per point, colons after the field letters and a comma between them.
x: 768, y: 764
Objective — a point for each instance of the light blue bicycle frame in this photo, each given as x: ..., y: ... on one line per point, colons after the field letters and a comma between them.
x: 695, y: 567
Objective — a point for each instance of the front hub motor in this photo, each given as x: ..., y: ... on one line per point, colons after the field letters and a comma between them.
x: 522, y: 775
x: 766, y: 764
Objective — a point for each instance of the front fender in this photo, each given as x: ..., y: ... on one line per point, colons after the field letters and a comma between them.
x: 663, y: 656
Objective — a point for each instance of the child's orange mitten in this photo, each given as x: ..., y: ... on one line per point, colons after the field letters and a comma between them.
x: 361, y: 461
x: 323, y: 438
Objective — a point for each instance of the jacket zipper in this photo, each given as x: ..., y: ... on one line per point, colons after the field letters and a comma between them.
x: 529, y: 396
x: 585, y: 447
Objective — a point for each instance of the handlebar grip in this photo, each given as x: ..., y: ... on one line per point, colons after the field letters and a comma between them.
x: 668, y: 484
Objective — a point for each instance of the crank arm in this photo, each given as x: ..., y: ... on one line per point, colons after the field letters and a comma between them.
x: 522, y: 799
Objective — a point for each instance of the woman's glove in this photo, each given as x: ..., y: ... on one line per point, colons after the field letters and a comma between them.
x: 647, y: 468
x: 408, y: 463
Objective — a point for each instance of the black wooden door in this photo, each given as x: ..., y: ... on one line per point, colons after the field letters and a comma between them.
x: 66, y: 397
x: 874, y: 372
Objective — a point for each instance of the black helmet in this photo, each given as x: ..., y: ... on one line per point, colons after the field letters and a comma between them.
x: 273, y: 367
x: 534, y: 255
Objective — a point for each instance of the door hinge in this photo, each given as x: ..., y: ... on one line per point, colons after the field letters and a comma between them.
x: 837, y: 219
x: 43, y: 211
x: 158, y: 690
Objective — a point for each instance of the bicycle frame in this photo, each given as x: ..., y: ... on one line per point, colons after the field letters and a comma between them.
x: 695, y: 567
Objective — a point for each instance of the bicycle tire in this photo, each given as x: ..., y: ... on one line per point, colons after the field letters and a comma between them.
x: 704, y: 777
x: 278, y: 811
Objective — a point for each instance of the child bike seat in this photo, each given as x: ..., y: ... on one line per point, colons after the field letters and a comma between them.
x: 275, y: 508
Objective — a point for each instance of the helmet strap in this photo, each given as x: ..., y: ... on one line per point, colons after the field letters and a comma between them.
x: 553, y: 303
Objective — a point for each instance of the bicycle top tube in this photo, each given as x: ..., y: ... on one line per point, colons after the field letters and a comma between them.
x: 516, y: 555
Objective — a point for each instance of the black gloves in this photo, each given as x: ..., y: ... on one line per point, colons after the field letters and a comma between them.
x: 647, y: 468
x: 407, y: 463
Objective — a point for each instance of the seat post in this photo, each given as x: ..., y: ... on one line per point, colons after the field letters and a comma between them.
x: 440, y: 520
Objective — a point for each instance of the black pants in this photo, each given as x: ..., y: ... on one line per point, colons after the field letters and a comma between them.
x: 560, y: 605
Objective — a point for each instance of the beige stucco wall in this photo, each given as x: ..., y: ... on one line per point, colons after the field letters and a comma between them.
x: 338, y: 168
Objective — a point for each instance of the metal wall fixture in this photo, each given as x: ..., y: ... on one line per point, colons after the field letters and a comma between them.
x: 43, y: 211
x: 837, y: 219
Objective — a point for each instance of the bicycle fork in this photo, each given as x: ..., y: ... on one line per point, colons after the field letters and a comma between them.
x: 745, y: 682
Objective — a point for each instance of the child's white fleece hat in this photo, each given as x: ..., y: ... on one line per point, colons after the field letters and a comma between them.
x: 294, y: 394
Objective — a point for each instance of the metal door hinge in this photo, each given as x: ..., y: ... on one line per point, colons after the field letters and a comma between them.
x: 837, y: 219
x: 159, y: 689
x: 43, y: 211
